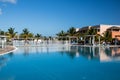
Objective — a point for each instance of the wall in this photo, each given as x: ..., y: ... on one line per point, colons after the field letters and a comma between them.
x: 114, y: 33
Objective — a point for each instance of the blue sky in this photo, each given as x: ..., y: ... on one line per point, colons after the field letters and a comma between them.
x: 51, y: 16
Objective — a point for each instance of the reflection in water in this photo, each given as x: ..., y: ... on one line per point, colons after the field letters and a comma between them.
x: 57, y: 65
x: 26, y: 51
x: 4, y: 59
x: 88, y: 52
x: 11, y: 54
x: 99, y: 53
x: 110, y: 54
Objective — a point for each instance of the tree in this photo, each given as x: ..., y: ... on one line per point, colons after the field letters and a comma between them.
x: 38, y: 36
x: 31, y: 35
x: 71, y: 31
x: 26, y: 34
x: 107, y: 36
x: 91, y: 32
x: 62, y: 35
x: 11, y: 32
x: 50, y: 37
x: 2, y: 32
x: 45, y: 38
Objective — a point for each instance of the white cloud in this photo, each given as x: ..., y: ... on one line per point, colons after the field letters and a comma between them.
x: 9, y: 1
x: 0, y: 11
x: 5, y: 5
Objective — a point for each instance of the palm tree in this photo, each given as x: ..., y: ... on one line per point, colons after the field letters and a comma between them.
x: 91, y: 32
x: 11, y: 32
x: 107, y: 36
x: 31, y: 35
x: 38, y: 36
x: 2, y: 32
x: 25, y: 33
x: 62, y: 35
x: 50, y: 37
x: 74, y: 34
x: 45, y: 37
x: 71, y: 31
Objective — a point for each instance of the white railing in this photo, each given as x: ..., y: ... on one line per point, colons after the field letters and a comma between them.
x: 39, y: 43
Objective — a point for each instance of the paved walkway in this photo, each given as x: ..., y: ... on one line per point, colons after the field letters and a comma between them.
x: 7, y: 49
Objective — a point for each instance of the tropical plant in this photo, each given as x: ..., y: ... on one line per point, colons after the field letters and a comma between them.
x: 38, y: 36
x: 97, y: 37
x: 50, y: 37
x: 11, y: 32
x: 45, y: 38
x: 26, y: 34
x: 61, y: 33
x: 31, y: 35
x: 71, y: 31
x: 91, y: 32
x: 2, y: 32
x: 107, y: 36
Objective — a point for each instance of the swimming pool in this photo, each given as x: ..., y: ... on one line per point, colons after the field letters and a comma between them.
x: 61, y: 63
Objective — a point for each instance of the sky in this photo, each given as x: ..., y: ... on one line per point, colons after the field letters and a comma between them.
x: 49, y: 17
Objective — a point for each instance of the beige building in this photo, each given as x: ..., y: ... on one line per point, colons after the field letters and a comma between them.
x: 115, y: 32
x: 114, y: 29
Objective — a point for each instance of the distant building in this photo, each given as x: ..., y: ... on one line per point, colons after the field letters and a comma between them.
x: 100, y: 29
x: 84, y: 30
x: 77, y: 29
x: 115, y: 32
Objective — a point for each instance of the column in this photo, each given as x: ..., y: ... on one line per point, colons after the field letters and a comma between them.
x: 99, y: 40
x: 90, y: 40
x: 93, y: 40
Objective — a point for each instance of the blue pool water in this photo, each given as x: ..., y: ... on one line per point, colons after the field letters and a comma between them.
x: 61, y: 63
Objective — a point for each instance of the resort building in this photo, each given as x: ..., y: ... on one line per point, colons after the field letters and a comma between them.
x: 84, y: 30
x: 115, y: 32
x: 100, y: 29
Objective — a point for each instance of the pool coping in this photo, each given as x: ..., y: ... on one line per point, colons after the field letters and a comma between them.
x: 7, y: 52
x: 71, y: 45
